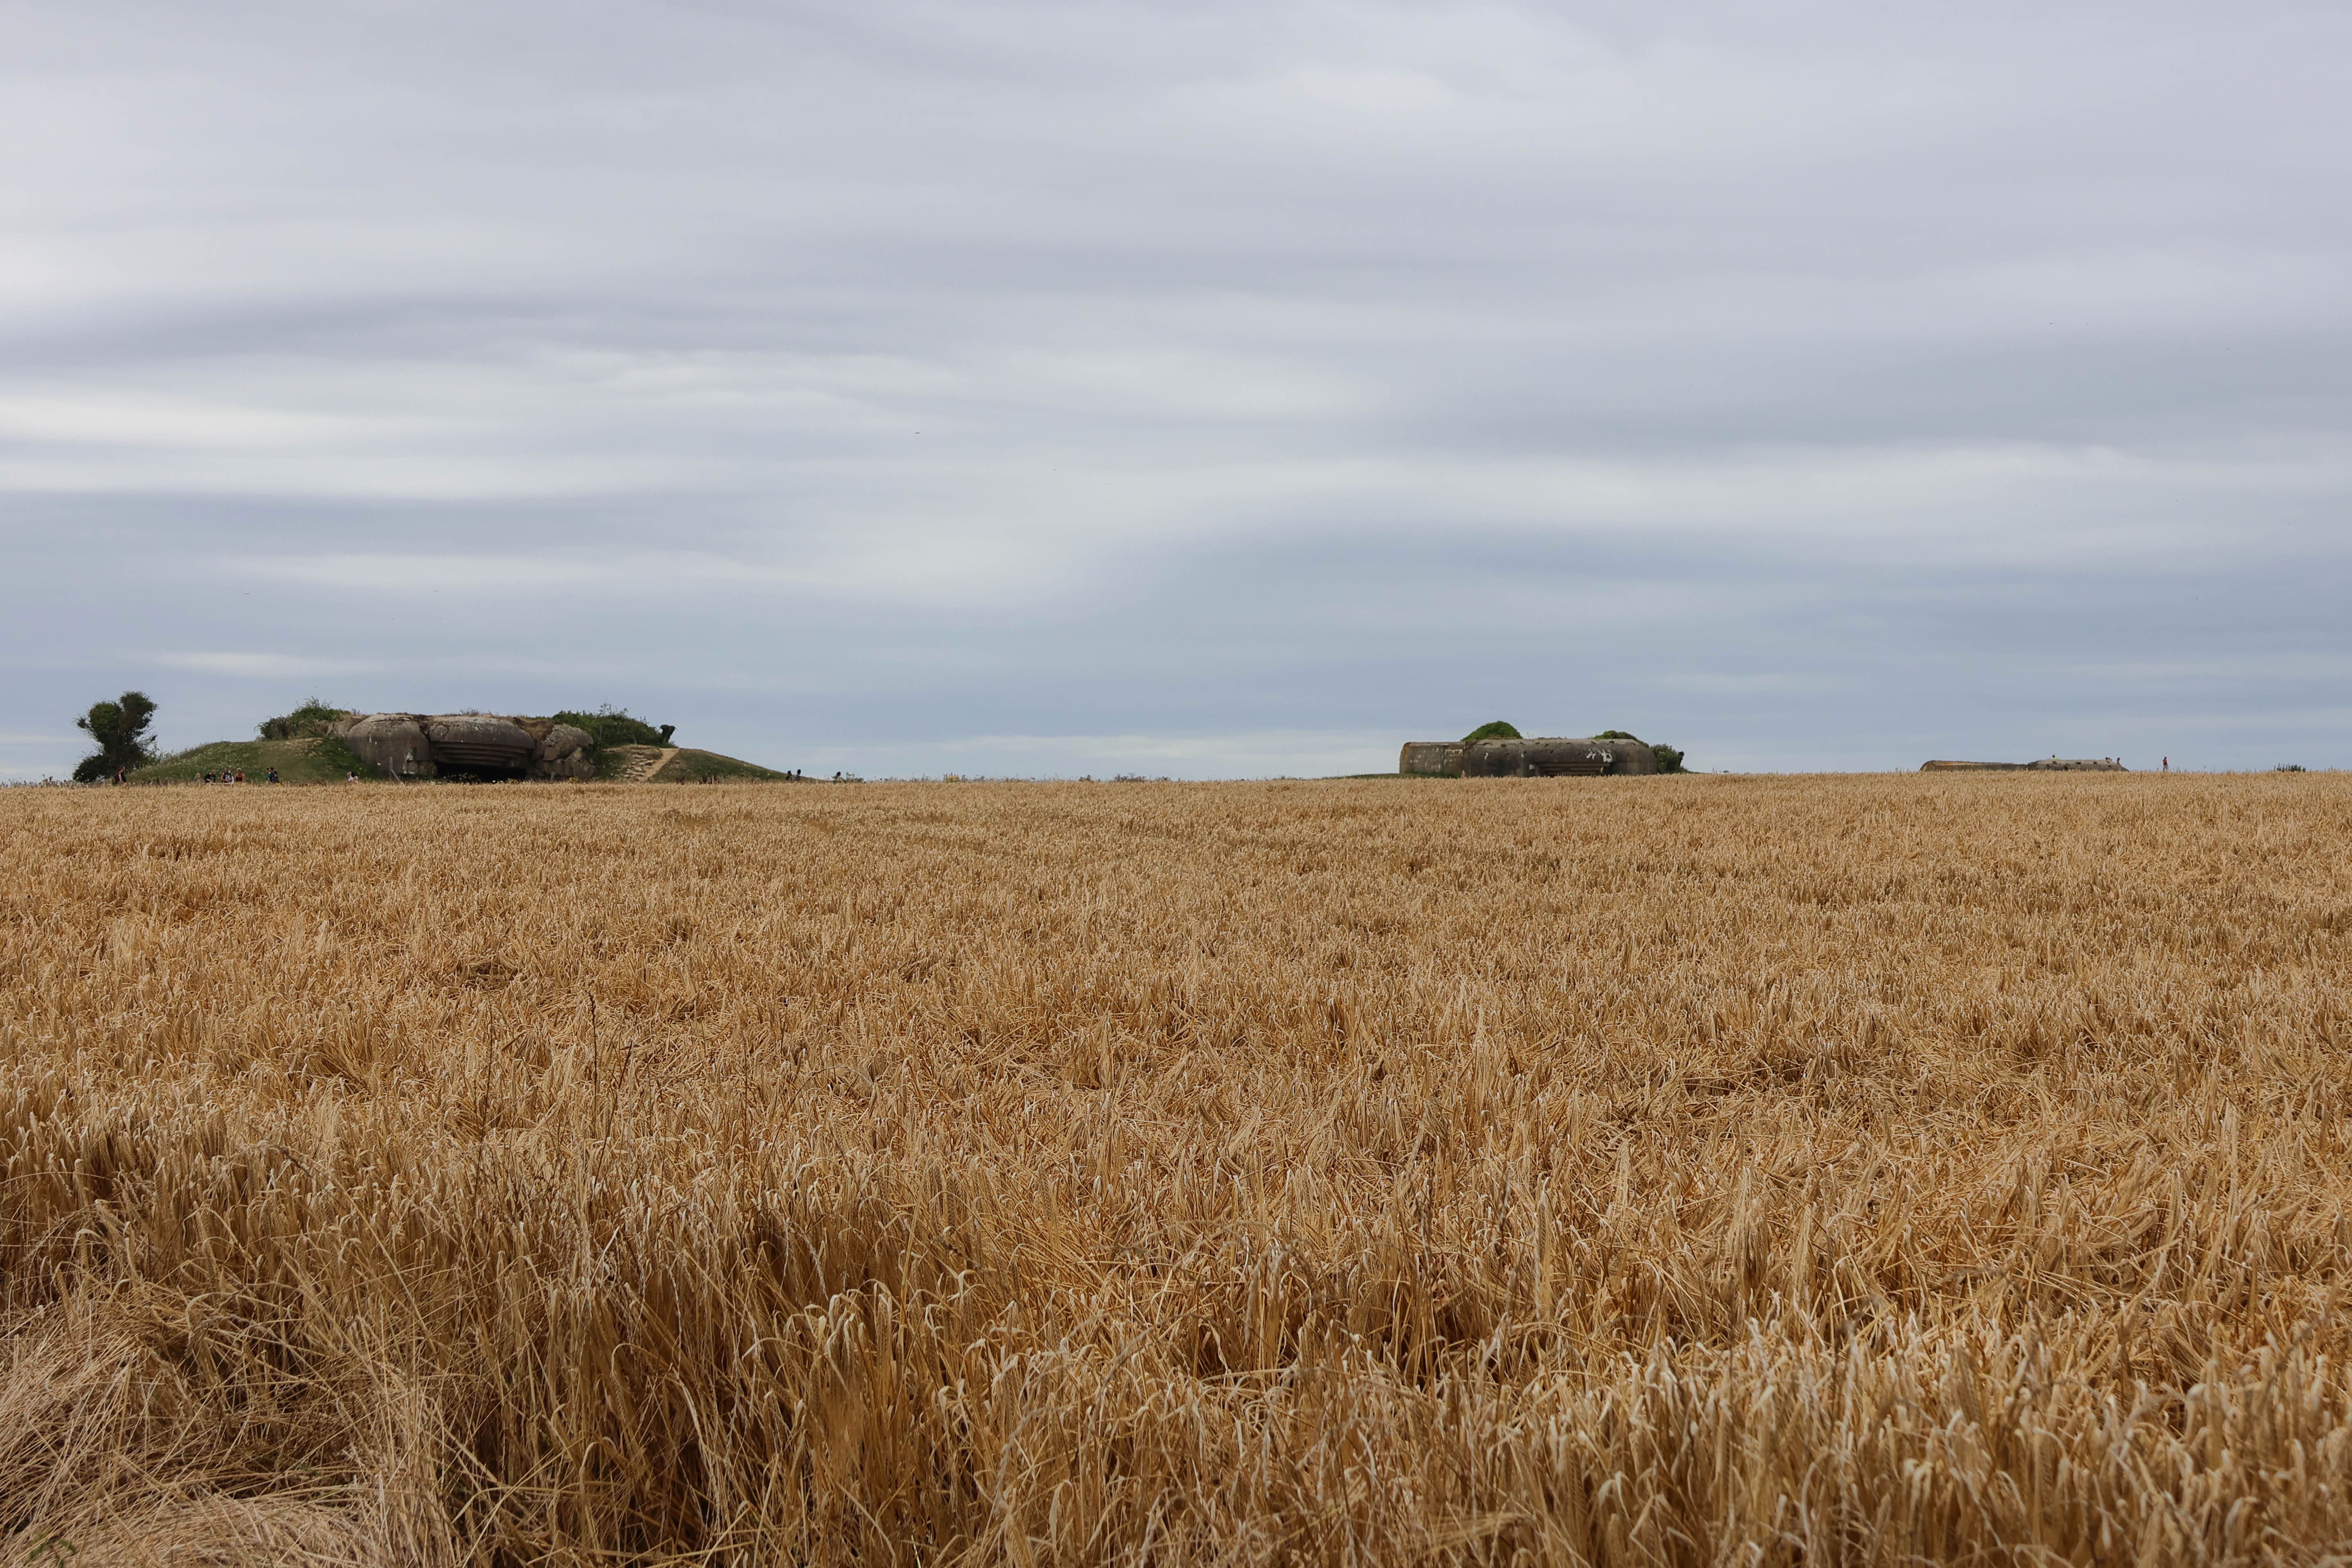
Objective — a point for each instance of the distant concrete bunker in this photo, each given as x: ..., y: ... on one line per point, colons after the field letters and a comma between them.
x: 1544, y: 757
x: 469, y: 746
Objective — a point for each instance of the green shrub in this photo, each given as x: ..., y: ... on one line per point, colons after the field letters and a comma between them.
x: 313, y: 719
x: 1670, y: 761
x: 610, y: 726
x: 1494, y: 730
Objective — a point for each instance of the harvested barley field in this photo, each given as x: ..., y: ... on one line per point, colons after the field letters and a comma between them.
x: 1861, y: 1170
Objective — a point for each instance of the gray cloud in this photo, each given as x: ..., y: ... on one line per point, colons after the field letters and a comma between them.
x: 1043, y: 387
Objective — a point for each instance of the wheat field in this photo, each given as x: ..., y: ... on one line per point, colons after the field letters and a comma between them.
x: 1690, y: 1170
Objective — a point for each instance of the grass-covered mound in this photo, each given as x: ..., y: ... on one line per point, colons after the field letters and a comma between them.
x: 301, y: 746
x: 693, y: 766
x: 327, y: 761
x: 684, y: 764
x: 315, y: 760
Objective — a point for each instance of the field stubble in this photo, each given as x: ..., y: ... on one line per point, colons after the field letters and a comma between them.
x: 1679, y: 1170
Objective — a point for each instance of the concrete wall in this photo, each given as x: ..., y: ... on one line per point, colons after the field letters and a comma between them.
x: 1431, y: 757
x: 1541, y: 757
x: 392, y: 744
x: 419, y: 745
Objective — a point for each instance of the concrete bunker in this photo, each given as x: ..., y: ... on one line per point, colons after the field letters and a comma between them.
x: 468, y: 746
x: 1543, y: 756
x: 478, y: 745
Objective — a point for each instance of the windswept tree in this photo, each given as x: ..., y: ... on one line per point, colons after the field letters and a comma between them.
x: 119, y: 728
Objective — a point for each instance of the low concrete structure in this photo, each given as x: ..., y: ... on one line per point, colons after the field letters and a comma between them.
x: 478, y: 742
x: 474, y: 745
x: 2046, y: 765
x: 1544, y: 756
x: 392, y: 744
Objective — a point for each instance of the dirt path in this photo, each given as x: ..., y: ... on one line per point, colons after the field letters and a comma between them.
x: 643, y: 767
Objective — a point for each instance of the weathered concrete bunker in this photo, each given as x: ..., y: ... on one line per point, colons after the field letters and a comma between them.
x: 1545, y: 757
x: 1432, y: 757
x: 468, y: 745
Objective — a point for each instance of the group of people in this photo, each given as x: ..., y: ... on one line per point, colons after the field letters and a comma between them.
x: 237, y: 776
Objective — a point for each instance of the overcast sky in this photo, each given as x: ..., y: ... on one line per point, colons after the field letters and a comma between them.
x: 1205, y: 389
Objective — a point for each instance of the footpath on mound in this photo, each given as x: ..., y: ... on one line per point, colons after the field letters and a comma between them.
x: 677, y: 764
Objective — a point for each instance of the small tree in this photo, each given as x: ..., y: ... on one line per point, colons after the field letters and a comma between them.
x: 119, y: 728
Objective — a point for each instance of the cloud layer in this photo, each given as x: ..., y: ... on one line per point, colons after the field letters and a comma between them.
x: 1041, y: 387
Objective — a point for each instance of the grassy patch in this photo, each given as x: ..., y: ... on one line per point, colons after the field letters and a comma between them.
x: 317, y: 759
x: 692, y: 766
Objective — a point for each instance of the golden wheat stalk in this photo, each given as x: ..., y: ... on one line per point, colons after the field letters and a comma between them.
x: 1656, y: 1171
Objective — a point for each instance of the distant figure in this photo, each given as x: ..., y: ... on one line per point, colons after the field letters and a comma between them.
x: 271, y: 776
x: 2168, y: 764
